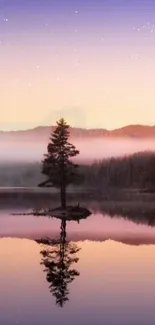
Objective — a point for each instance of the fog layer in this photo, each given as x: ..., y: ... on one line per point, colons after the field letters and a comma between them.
x: 90, y: 149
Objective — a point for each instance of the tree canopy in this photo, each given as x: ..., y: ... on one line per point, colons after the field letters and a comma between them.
x: 57, y: 164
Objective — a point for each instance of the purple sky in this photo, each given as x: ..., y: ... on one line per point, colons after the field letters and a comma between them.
x: 92, y: 62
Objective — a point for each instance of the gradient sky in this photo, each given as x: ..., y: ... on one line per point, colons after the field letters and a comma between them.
x: 91, y: 61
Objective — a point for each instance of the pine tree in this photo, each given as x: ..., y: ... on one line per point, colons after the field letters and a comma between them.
x: 57, y: 166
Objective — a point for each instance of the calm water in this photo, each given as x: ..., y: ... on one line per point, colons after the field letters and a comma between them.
x: 100, y: 272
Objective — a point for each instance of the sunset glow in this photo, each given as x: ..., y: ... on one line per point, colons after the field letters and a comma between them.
x: 92, y: 62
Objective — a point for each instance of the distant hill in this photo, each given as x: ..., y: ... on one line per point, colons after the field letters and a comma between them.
x: 42, y: 133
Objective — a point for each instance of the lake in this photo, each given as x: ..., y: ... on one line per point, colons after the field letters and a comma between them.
x: 97, y: 271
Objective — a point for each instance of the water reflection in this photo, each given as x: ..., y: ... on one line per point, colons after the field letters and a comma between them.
x: 58, y: 257
x: 109, y: 290
x: 138, y: 213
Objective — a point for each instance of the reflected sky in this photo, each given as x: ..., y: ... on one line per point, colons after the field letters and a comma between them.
x: 116, y: 284
x: 115, y: 267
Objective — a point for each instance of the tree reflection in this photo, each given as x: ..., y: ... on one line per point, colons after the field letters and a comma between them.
x: 58, y: 256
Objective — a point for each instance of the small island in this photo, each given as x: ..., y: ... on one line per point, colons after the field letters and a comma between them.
x: 69, y: 213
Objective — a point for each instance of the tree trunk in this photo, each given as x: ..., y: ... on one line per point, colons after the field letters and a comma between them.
x: 63, y: 196
x: 63, y: 185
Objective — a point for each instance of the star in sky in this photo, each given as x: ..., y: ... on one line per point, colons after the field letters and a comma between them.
x: 3, y: 18
x: 135, y: 56
x: 145, y: 28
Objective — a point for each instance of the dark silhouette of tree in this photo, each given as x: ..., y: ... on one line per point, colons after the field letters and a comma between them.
x: 132, y: 171
x: 57, y: 165
x: 148, y: 176
x: 58, y: 257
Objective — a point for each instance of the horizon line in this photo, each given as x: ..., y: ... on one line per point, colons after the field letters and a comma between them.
x: 77, y: 127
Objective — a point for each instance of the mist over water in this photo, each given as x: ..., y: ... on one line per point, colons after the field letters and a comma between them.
x: 90, y: 149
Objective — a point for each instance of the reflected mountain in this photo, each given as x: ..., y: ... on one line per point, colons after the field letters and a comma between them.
x: 149, y: 220
x: 58, y: 258
x: 139, y: 212
x: 105, y: 223
x: 134, y: 212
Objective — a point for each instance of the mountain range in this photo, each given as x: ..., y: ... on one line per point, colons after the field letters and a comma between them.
x: 42, y: 133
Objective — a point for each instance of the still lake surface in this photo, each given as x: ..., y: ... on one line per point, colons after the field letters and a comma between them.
x: 101, y: 271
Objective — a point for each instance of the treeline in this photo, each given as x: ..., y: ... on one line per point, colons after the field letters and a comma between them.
x: 134, y: 171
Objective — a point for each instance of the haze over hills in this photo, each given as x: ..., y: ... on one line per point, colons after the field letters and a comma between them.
x: 42, y: 133
x: 94, y: 144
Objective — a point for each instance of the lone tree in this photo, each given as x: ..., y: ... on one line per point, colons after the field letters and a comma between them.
x: 57, y: 165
